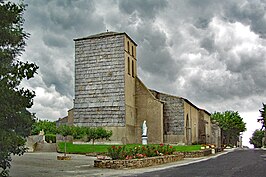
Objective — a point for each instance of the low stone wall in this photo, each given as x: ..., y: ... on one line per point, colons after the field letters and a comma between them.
x: 195, y: 154
x: 137, y: 163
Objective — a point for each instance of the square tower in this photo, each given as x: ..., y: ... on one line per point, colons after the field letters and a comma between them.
x: 105, y: 73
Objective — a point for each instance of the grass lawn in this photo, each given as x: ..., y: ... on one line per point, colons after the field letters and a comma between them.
x: 187, y: 148
x: 89, y: 148
x: 82, y: 148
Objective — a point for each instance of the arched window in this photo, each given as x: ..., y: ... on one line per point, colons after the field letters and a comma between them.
x: 128, y: 65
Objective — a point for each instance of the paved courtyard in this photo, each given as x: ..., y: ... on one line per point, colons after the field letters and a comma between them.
x: 45, y: 164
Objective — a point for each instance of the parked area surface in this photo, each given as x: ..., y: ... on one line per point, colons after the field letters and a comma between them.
x: 47, y: 165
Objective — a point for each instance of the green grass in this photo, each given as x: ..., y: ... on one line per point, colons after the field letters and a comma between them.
x: 187, y: 148
x: 89, y: 148
x: 82, y: 148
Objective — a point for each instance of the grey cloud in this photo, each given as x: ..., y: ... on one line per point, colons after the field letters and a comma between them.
x: 147, y: 9
x: 181, y: 57
x: 250, y: 13
x: 54, y: 40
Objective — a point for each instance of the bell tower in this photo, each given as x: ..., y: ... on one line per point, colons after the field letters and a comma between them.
x: 105, y: 73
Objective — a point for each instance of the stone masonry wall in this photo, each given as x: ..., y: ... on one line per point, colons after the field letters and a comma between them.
x: 137, y: 163
x: 99, y: 81
x: 173, y: 113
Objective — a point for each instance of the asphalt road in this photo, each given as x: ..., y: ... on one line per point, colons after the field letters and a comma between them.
x: 240, y: 163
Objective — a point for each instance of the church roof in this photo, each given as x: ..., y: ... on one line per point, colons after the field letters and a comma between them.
x: 104, y: 34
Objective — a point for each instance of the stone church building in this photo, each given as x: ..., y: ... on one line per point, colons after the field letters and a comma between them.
x: 109, y: 94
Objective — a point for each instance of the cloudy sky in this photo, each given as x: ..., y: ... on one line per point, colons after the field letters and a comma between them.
x: 211, y: 52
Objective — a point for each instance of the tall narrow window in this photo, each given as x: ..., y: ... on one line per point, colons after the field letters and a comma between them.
x: 128, y: 65
x: 128, y: 47
x: 132, y: 51
x: 133, y: 71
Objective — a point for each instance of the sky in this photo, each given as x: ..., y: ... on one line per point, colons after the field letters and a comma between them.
x: 210, y: 52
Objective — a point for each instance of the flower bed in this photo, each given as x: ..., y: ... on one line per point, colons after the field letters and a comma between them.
x: 137, y: 163
x: 137, y: 152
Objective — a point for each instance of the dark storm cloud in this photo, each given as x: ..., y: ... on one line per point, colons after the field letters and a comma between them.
x: 250, y: 13
x: 146, y: 9
x: 153, y: 55
x: 210, y: 51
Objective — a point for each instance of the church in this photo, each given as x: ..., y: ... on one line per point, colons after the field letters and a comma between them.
x: 109, y: 94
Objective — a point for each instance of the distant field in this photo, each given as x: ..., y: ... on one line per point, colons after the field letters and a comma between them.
x: 89, y: 148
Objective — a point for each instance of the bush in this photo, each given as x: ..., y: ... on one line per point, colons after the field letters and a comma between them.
x: 50, y: 137
x: 117, y: 152
x: 121, y: 152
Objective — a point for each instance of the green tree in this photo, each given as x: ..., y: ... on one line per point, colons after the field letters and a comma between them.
x: 15, y: 119
x: 256, y: 138
x: 47, y: 126
x: 262, y: 120
x: 231, y: 124
x: 65, y: 131
x: 97, y: 133
x: 79, y: 132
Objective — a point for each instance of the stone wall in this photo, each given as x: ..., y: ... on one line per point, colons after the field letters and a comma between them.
x: 195, y: 154
x: 173, y: 113
x: 136, y: 163
x: 99, y: 80
x: 150, y: 109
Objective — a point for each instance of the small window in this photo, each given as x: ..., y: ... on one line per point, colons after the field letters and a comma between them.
x: 132, y: 51
x: 128, y: 65
x: 128, y: 47
x: 133, y: 73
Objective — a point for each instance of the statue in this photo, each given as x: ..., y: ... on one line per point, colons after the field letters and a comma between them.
x: 144, y: 128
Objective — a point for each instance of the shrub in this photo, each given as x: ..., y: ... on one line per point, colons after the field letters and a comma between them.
x: 117, y: 152
x: 121, y: 152
x: 50, y: 137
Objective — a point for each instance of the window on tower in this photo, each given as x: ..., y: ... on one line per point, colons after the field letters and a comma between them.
x: 128, y: 65
x: 128, y: 47
x: 133, y: 73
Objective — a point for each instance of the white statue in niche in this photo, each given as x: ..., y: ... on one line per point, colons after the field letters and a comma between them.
x: 144, y: 128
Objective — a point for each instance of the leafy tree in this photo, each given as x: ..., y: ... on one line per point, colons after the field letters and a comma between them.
x: 263, y: 116
x: 79, y: 132
x: 47, y: 126
x: 97, y: 133
x: 65, y: 130
x: 256, y: 138
x: 15, y: 119
x: 262, y: 120
x: 231, y: 124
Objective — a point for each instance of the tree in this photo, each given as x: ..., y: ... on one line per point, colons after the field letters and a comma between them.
x: 97, y: 133
x: 262, y: 120
x: 65, y: 130
x: 15, y: 119
x: 47, y: 126
x: 256, y: 138
x: 231, y: 124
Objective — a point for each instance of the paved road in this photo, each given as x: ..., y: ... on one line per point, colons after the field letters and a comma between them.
x: 240, y: 163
